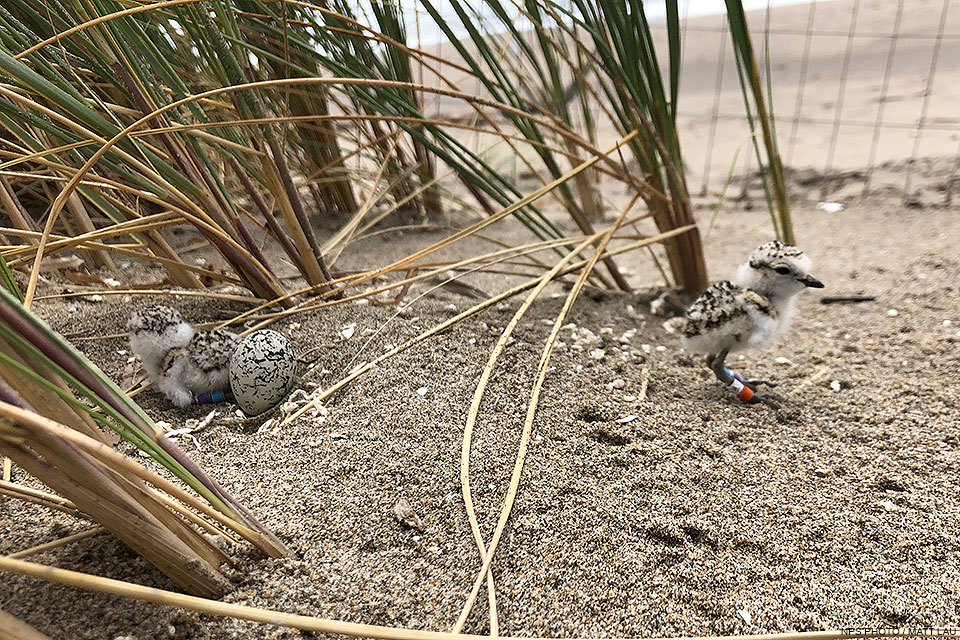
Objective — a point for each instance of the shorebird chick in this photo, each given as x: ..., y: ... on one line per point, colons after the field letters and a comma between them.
x: 749, y: 313
x: 154, y: 331
x: 186, y: 365
x: 192, y: 372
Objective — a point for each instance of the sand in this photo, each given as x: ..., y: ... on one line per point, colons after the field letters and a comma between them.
x: 678, y: 511
x: 694, y: 517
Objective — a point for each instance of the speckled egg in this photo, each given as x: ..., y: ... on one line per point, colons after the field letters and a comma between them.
x: 262, y: 370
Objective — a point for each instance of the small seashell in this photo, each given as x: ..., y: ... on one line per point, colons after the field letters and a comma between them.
x: 347, y: 332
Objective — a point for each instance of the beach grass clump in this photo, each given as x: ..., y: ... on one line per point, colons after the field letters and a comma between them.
x: 54, y: 408
x: 249, y: 121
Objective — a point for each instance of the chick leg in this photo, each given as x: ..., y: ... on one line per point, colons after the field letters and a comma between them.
x: 746, y: 390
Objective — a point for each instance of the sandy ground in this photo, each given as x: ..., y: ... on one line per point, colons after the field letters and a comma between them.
x: 692, y: 518
x: 698, y: 516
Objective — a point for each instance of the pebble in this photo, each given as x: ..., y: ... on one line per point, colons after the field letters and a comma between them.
x: 892, y: 313
x: 835, y: 385
x: 619, y: 383
x: 422, y: 392
x: 598, y: 354
x: 823, y: 472
x: 782, y: 360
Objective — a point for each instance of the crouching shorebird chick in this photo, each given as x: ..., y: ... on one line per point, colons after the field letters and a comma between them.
x: 186, y: 365
x: 748, y: 314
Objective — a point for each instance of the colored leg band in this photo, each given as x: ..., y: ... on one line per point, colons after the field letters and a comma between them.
x: 210, y: 397
x: 735, y: 376
x: 743, y: 392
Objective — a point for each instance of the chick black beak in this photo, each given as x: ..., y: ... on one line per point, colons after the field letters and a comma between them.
x: 810, y: 281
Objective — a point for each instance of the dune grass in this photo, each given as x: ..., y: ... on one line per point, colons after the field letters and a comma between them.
x: 282, y: 134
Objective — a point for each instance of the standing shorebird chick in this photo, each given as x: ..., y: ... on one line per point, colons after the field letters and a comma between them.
x: 749, y: 313
x: 186, y: 365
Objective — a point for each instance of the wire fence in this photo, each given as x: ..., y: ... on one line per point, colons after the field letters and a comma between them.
x: 865, y: 98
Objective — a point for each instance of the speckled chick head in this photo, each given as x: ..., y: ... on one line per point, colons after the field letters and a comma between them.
x: 777, y: 271
x: 154, y: 331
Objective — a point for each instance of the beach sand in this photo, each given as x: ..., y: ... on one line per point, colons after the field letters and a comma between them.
x: 659, y: 507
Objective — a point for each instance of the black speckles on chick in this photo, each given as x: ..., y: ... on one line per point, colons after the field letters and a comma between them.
x: 211, y: 350
x: 768, y: 254
x: 719, y: 304
x: 155, y: 319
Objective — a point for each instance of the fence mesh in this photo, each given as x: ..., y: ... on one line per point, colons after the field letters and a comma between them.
x: 865, y: 97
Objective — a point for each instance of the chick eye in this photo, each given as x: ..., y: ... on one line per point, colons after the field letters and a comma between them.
x: 782, y: 270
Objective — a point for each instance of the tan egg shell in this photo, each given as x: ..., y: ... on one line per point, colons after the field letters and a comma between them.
x: 263, y: 367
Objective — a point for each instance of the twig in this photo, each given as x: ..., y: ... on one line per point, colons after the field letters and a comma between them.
x: 46, y: 546
x: 846, y: 299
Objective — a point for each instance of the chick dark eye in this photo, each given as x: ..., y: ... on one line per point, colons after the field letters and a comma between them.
x: 782, y: 270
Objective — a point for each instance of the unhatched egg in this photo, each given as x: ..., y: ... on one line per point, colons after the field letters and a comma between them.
x: 262, y: 370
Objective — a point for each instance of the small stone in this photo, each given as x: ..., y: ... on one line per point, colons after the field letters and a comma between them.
x: 888, y: 505
x: 336, y: 435
x: 745, y: 615
x: 597, y: 354
x: 404, y: 512
x: 619, y: 383
x: 892, y: 313
x: 823, y: 472
x: 947, y: 323
x: 626, y: 419
x: 835, y: 385
x: 782, y: 360
x: 422, y: 392
x: 829, y: 207
x: 347, y: 332
x: 629, y: 398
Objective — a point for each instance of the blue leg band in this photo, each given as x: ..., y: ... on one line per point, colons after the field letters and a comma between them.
x: 210, y: 397
x: 735, y: 376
